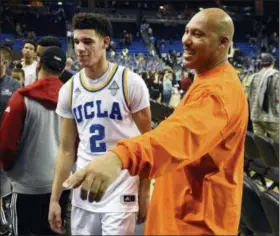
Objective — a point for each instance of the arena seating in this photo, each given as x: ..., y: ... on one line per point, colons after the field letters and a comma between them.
x: 270, y: 203
x: 253, y: 213
x: 17, y: 42
x: 174, y: 46
x: 135, y: 47
x: 276, y: 148
x: 260, y: 205
x: 268, y: 154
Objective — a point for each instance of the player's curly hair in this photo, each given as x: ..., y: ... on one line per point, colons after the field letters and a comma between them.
x: 49, y: 41
x: 93, y: 21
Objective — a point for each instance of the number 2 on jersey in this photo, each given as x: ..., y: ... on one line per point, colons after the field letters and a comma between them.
x: 98, y: 132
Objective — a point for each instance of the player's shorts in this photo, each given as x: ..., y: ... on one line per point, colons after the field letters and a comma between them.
x: 89, y: 223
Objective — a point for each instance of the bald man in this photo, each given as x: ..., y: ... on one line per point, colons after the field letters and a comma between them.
x: 196, y: 155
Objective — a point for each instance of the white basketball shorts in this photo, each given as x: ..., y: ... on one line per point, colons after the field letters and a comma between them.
x: 90, y: 223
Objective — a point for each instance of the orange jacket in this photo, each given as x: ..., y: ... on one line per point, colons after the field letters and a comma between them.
x: 196, y: 156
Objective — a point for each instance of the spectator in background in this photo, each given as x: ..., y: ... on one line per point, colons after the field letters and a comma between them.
x: 30, y: 119
x: 51, y: 41
x: 186, y: 81
x: 264, y: 99
x: 9, y: 45
x: 127, y: 38
x: 70, y: 36
x: 7, y: 87
x: 69, y: 65
x: 146, y: 78
x: 17, y: 73
x: 45, y: 42
x: 167, y: 86
x: 155, y: 88
x: 28, y: 62
x: 31, y: 36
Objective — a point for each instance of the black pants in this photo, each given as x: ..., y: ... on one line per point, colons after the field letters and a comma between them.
x: 30, y: 213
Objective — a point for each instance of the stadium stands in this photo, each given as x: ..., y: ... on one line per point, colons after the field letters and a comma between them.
x: 252, y: 210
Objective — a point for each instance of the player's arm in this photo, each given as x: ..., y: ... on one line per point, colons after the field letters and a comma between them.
x: 64, y: 164
x: 66, y: 156
x: 68, y: 136
x: 142, y: 119
x: 140, y: 105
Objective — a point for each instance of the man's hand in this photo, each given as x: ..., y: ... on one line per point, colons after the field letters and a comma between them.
x: 55, y: 217
x: 96, y: 177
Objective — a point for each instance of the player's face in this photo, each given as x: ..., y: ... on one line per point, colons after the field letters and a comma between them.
x: 90, y: 47
x: 200, y: 44
x: 28, y: 51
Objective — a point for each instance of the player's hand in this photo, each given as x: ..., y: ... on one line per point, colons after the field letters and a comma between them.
x: 96, y: 177
x: 55, y: 217
x: 144, y: 199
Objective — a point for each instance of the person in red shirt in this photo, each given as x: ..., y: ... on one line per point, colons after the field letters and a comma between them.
x: 186, y: 81
x: 196, y: 155
x: 29, y: 138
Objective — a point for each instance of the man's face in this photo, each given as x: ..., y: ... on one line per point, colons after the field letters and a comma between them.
x: 200, y: 43
x: 28, y: 51
x: 89, y: 47
x: 168, y: 75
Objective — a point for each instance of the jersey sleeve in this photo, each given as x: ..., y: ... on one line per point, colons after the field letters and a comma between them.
x: 138, y: 93
x: 63, y: 108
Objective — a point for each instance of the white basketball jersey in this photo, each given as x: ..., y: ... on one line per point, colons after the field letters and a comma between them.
x: 30, y: 73
x: 103, y: 118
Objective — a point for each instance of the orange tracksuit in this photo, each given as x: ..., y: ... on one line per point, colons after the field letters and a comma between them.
x: 196, y: 156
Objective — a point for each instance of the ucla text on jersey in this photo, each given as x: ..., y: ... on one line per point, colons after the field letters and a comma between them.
x: 92, y: 109
x: 102, y: 112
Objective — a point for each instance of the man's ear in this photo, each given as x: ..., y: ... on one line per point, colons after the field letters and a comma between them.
x: 224, y: 43
x: 106, y: 42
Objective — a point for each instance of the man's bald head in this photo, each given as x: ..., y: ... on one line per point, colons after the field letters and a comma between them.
x: 217, y: 20
x: 207, y: 39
